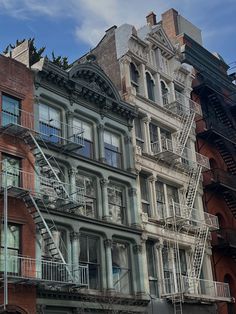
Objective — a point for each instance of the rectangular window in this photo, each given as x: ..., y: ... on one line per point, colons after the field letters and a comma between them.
x: 10, y: 110
x: 144, y: 194
x: 87, y: 150
x: 50, y: 123
x: 138, y: 133
x: 168, y: 272
x: 90, y: 186
x: 112, y: 149
x: 116, y: 204
x: 152, y: 273
x: 120, y: 267
x: 11, y: 168
x: 161, y: 204
x: 89, y: 255
x: 172, y: 196
x: 13, y: 249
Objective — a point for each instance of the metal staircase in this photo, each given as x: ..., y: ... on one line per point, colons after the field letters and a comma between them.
x: 186, y: 126
x: 194, y: 177
x: 198, y: 254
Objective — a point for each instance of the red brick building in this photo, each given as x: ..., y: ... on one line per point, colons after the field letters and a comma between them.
x: 214, y: 90
x: 16, y: 108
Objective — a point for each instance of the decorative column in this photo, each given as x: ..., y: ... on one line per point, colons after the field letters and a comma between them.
x: 109, y: 272
x: 138, y: 251
x: 134, y: 214
x: 158, y: 251
x: 101, y: 142
x: 147, y: 140
x: 104, y: 184
x: 129, y: 153
x: 153, y: 203
x: 72, y: 177
x: 74, y: 238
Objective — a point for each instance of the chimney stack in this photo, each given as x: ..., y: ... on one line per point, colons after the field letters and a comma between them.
x: 170, y: 23
x: 151, y: 19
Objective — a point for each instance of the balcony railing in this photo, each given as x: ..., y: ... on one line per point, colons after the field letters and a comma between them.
x: 25, y: 268
x: 17, y: 117
x: 181, y: 104
x: 167, y: 149
x: 183, y: 214
x: 222, y: 177
x: 225, y: 238
x: 54, y: 131
x: 193, y: 288
x: 39, y: 185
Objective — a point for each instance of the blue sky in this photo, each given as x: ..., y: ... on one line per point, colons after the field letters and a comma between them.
x: 72, y: 27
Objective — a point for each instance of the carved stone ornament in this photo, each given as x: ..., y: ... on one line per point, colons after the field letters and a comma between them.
x: 108, y: 243
x: 74, y: 235
x: 138, y: 249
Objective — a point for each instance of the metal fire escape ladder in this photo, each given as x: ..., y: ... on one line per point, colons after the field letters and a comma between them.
x: 198, y: 254
x: 194, y: 178
x: 186, y: 126
x: 46, y: 160
x: 45, y: 231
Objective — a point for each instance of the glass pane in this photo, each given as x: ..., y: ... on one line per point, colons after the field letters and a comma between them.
x: 13, y: 238
x: 12, y: 168
x: 93, y: 249
x: 120, y: 255
x: 83, y: 249
x: 86, y: 127
x: 10, y: 110
x: 43, y: 112
x: 150, y: 259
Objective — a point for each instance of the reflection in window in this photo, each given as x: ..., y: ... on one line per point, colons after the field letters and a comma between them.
x: 50, y: 124
x: 87, y: 149
x: 139, y: 133
x: 152, y: 272
x: 144, y: 194
x: 90, y: 191
x: 164, y: 92
x: 120, y: 267
x: 13, y: 249
x: 112, y: 149
x: 10, y: 110
x: 160, y: 196
x: 150, y: 86
x: 89, y: 255
x: 115, y: 204
x: 11, y: 168
x: 134, y: 76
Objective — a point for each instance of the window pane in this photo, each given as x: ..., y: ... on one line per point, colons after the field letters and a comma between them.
x: 120, y: 266
x: 83, y: 249
x: 12, y: 168
x: 50, y: 124
x: 93, y: 250
x: 10, y: 110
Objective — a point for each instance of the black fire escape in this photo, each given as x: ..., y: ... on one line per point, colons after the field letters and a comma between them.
x: 220, y: 130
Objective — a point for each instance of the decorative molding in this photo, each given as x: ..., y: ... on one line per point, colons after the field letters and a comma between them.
x: 108, y: 243
x: 74, y: 235
x: 104, y: 182
x: 132, y: 191
x: 138, y: 249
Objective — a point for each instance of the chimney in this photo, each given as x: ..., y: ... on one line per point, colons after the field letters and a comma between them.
x: 170, y: 23
x: 151, y: 19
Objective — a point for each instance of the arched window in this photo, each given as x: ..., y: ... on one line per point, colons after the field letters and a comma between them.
x: 150, y: 87
x: 164, y: 92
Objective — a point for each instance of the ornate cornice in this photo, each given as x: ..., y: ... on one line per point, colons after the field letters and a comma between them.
x: 86, y: 81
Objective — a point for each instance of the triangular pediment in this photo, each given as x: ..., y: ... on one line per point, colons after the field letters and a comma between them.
x: 91, y: 75
x: 160, y: 37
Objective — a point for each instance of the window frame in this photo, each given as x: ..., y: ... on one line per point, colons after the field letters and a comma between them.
x: 153, y: 260
x: 150, y: 83
x: 45, y: 123
x: 117, y: 153
x: 128, y: 268
x: 12, y: 116
x: 18, y: 250
x: 122, y: 208
x: 98, y: 256
x: 93, y: 178
x: 18, y: 169
x: 87, y: 143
